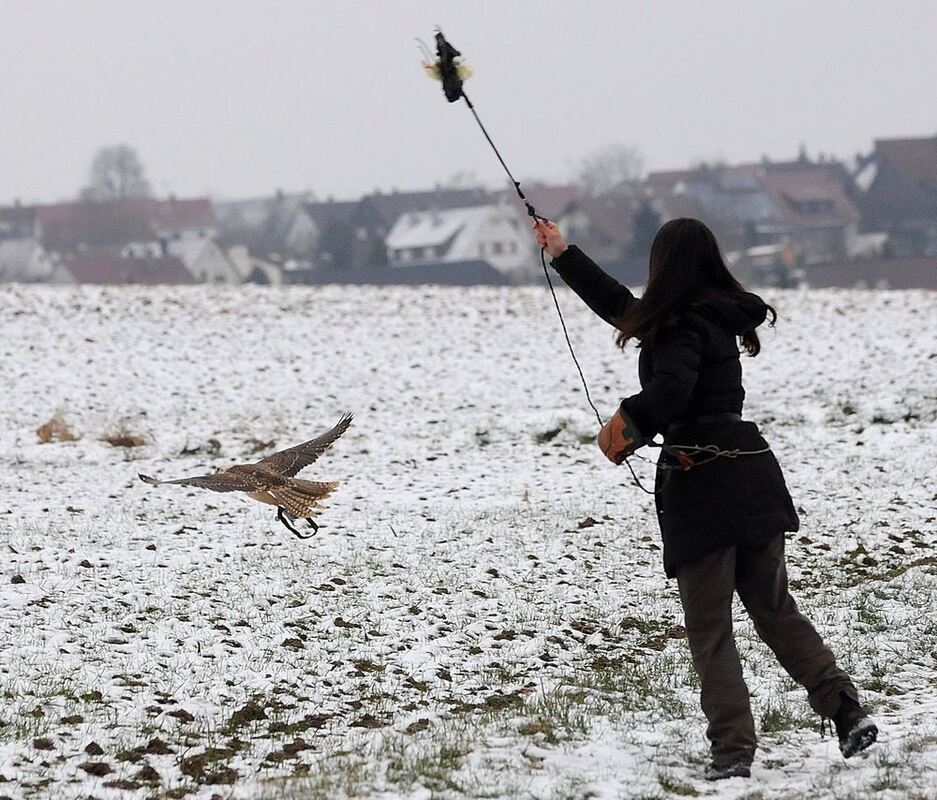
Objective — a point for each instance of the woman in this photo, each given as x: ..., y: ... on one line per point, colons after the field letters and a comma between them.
x: 722, y: 519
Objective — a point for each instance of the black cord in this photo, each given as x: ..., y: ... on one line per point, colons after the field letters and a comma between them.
x: 517, y: 184
x: 533, y: 213
x: 569, y: 344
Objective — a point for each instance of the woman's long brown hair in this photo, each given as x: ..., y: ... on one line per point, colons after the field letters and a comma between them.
x: 685, y: 265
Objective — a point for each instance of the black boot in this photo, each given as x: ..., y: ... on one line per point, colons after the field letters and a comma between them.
x: 718, y: 772
x: 855, y: 729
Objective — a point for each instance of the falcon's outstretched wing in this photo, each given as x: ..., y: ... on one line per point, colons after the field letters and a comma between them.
x: 219, y: 482
x: 289, y: 462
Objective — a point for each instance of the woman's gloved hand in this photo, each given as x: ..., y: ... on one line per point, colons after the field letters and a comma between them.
x: 550, y: 238
x: 619, y: 438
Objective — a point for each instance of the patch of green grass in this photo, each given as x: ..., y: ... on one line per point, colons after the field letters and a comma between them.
x: 433, y: 759
x: 651, y: 685
x: 337, y: 776
x: 780, y: 716
x: 563, y: 711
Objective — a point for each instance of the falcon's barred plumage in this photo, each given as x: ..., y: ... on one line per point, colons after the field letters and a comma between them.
x: 271, y: 480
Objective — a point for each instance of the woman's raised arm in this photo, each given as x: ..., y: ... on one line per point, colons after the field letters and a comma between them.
x: 600, y: 291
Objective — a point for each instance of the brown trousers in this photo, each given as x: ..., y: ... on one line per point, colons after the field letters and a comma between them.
x: 760, y: 578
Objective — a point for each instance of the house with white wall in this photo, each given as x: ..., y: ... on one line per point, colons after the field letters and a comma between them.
x: 491, y: 233
x: 206, y: 262
x: 253, y: 269
x: 24, y: 261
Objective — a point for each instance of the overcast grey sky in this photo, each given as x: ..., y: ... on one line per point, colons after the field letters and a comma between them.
x: 239, y: 97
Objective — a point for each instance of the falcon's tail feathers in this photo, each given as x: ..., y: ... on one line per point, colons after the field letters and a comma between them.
x: 301, y: 498
x: 317, y: 489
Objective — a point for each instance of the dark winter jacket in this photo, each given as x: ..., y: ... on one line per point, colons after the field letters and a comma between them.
x: 690, y: 373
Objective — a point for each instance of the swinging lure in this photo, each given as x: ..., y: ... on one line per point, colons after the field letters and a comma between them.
x: 451, y: 68
x: 448, y: 67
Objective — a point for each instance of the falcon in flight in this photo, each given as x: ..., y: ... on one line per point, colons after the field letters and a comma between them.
x: 271, y: 480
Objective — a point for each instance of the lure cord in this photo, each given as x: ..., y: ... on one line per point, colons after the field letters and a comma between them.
x: 569, y: 343
x: 517, y: 184
x: 546, y: 273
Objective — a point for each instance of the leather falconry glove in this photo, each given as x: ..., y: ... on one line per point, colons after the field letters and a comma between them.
x: 619, y: 437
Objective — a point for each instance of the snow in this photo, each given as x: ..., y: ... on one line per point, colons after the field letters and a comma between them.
x: 484, y: 612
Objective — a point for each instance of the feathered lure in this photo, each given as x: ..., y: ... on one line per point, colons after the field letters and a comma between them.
x: 451, y: 68
x: 448, y: 67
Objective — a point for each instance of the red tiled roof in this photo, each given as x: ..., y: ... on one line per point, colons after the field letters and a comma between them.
x: 794, y: 189
x: 549, y: 200
x: 190, y: 214
x: 64, y: 226
x: 611, y: 216
x: 104, y: 265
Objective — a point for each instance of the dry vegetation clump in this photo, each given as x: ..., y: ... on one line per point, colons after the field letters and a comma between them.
x: 56, y: 430
x: 122, y: 436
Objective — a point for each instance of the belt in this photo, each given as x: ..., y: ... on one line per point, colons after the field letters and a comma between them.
x: 703, y: 419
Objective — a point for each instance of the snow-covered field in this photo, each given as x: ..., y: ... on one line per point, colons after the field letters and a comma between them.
x: 484, y: 613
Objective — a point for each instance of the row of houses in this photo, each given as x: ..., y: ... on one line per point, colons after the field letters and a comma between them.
x: 137, y: 240
x: 777, y: 220
x: 780, y: 222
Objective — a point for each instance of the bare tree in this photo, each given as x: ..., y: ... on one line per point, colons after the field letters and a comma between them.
x: 615, y: 169
x: 116, y: 174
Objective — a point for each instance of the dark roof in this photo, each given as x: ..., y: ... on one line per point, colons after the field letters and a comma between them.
x: 331, y: 212
x: 916, y: 159
x: 905, y: 184
x: 17, y: 222
x: 104, y: 265
x: 390, y: 207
